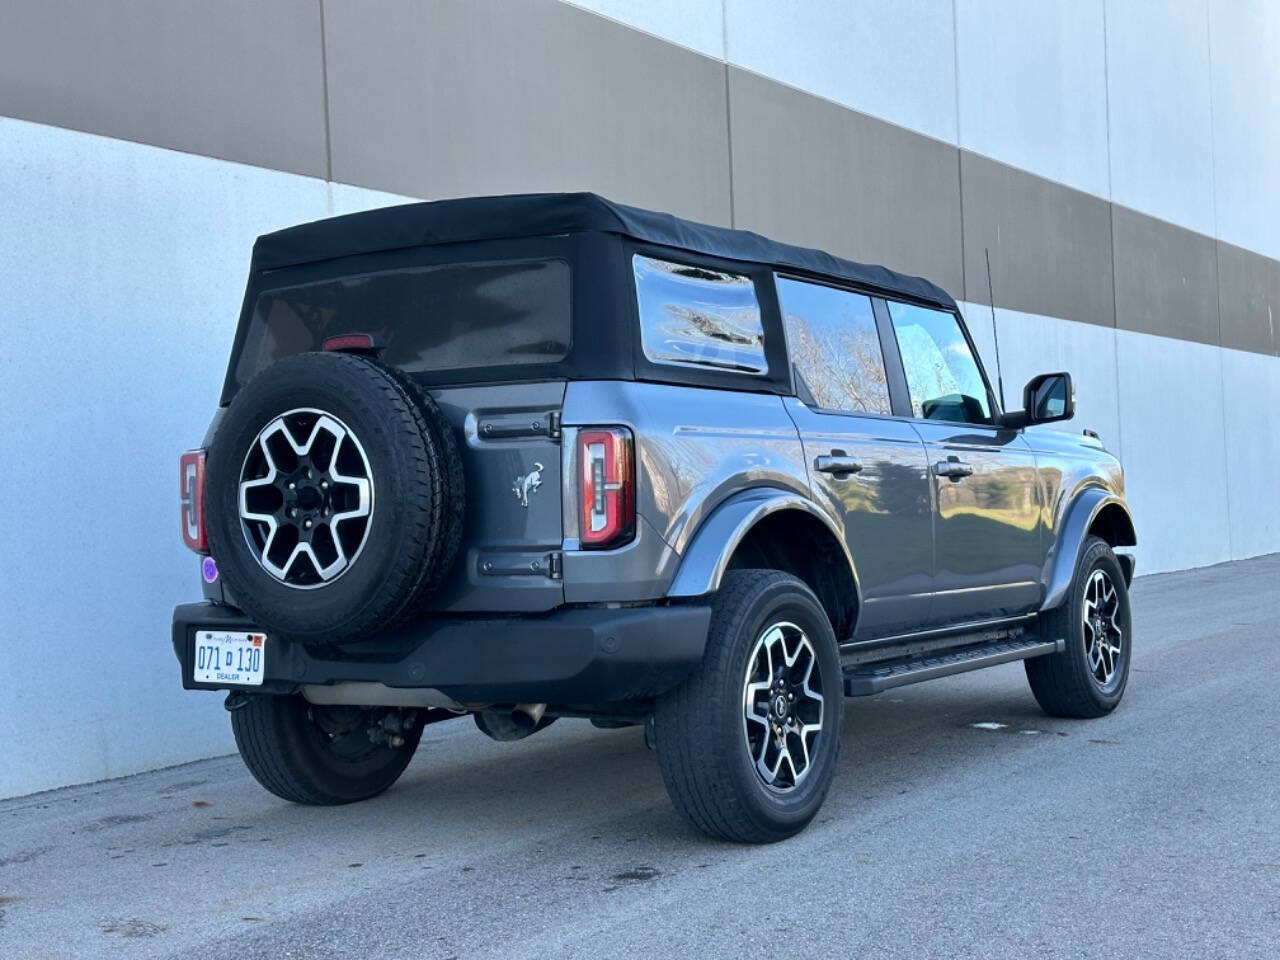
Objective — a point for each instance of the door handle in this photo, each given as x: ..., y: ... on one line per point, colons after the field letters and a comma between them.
x: 837, y: 463
x: 953, y: 468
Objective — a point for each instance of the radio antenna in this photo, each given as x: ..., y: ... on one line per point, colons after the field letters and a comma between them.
x: 995, y: 331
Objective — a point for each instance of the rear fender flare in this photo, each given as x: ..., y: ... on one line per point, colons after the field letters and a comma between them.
x: 712, y: 547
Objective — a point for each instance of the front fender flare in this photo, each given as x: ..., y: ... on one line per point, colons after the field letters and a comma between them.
x: 712, y: 547
x: 1060, y: 565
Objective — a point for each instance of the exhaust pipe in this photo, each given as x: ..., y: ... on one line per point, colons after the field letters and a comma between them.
x: 520, y: 722
x: 528, y: 715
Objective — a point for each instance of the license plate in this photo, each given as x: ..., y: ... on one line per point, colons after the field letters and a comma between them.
x: 229, y: 657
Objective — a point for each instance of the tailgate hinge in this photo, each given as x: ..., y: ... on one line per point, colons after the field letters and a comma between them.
x: 514, y: 427
x: 549, y: 565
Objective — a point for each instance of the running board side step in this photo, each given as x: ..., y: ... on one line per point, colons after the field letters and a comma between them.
x: 864, y: 680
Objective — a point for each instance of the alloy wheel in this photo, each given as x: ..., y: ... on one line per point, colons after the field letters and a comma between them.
x: 1103, y: 631
x: 306, y: 498
x: 783, y: 705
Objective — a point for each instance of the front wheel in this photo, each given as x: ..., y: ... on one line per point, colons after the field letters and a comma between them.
x: 323, y: 755
x: 1088, y: 678
x: 748, y: 743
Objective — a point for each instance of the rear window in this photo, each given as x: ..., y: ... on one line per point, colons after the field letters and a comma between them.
x: 457, y: 316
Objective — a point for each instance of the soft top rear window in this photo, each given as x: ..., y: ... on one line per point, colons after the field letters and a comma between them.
x: 451, y: 317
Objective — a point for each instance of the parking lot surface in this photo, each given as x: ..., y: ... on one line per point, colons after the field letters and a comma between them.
x: 962, y: 822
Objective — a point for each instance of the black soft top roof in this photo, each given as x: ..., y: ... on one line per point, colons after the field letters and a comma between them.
x: 553, y: 214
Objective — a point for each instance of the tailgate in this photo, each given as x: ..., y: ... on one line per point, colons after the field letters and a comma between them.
x: 510, y: 442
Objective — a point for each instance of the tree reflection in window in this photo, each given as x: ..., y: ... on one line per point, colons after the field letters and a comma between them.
x: 834, y: 346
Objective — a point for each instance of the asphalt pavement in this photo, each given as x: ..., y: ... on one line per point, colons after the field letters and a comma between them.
x: 962, y: 823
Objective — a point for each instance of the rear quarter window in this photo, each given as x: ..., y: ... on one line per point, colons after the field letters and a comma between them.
x: 695, y: 316
x: 459, y: 316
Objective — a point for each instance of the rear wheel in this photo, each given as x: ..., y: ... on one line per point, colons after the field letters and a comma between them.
x: 748, y: 743
x: 1088, y: 678
x: 323, y: 755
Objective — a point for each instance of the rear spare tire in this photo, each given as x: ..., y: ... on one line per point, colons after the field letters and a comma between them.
x: 332, y: 498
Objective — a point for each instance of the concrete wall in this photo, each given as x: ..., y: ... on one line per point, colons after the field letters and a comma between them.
x: 1118, y: 160
x: 123, y: 272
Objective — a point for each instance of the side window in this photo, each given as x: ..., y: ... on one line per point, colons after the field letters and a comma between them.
x: 695, y: 316
x: 943, y: 377
x: 835, y: 349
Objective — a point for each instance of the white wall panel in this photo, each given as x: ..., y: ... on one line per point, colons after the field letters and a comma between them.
x: 1245, y: 45
x: 344, y: 198
x: 1158, y: 95
x: 697, y: 24
x: 123, y: 272
x: 893, y: 60
x: 1032, y: 87
x: 1251, y: 389
x: 1174, y: 450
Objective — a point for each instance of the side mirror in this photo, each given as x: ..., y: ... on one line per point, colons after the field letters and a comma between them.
x: 1046, y: 398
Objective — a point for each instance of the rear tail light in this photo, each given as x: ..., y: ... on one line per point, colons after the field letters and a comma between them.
x: 191, y: 487
x: 606, y: 487
x: 354, y: 343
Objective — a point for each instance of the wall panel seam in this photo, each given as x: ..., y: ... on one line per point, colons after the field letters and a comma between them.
x: 1115, y: 320
x: 728, y: 123
x: 1111, y: 223
x: 1217, y: 278
x: 324, y: 85
x: 955, y: 69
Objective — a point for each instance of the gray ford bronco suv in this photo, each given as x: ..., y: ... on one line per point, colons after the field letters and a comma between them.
x: 548, y: 456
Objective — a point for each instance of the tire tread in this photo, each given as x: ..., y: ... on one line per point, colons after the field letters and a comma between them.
x: 277, y: 761
x: 1057, y: 681
x: 430, y: 503
x: 696, y: 767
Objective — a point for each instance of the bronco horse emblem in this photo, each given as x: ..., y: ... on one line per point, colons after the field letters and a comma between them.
x: 527, y: 484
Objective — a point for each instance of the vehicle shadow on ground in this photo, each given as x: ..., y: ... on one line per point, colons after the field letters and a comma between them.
x: 576, y: 777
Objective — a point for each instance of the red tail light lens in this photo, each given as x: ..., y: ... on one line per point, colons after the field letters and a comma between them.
x: 191, y: 487
x: 353, y: 343
x: 607, y: 487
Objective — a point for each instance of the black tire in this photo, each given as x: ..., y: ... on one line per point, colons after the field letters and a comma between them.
x: 415, y: 524
x: 702, y: 736
x: 319, y: 756
x: 455, y: 501
x: 1067, y: 684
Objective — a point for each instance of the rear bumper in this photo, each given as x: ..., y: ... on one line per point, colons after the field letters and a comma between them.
x: 579, y: 657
